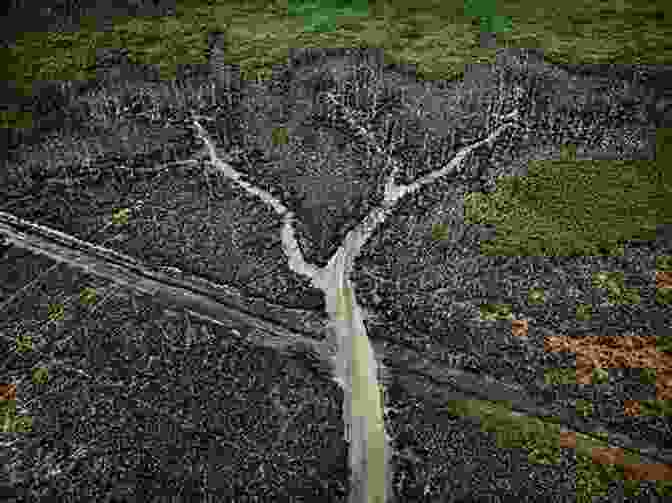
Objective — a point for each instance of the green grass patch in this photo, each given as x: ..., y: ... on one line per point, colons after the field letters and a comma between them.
x: 440, y: 232
x: 584, y: 312
x: 541, y: 438
x: 325, y: 15
x: 664, y: 296
x: 584, y: 408
x: 439, y: 37
x: 536, y: 296
x: 10, y: 421
x: 664, y: 263
x: 664, y: 344
x: 617, y: 292
x: 560, y: 375
x: 656, y: 407
x: 280, y: 136
x: 493, y: 312
x: 575, y: 208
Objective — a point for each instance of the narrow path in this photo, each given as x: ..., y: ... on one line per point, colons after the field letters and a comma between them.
x: 280, y: 329
x: 355, y: 363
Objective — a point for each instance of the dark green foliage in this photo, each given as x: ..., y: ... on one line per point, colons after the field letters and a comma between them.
x: 321, y: 16
x: 664, y: 343
x: 485, y: 11
x: 600, y: 204
x: 479, y: 8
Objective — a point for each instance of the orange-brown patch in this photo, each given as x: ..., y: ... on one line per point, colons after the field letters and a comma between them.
x: 631, y: 408
x: 7, y: 391
x: 568, y: 439
x: 519, y: 328
x: 613, y: 351
x: 663, y: 279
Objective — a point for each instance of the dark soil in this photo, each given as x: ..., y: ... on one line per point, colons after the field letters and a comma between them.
x: 195, y: 220
x: 135, y: 410
x: 449, y: 323
x: 445, y: 459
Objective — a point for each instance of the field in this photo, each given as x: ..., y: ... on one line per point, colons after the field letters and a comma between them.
x: 559, y: 229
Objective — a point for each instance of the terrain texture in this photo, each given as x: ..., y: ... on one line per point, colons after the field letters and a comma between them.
x: 115, y: 160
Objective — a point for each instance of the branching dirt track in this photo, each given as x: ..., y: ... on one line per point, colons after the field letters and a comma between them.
x: 283, y: 329
x: 325, y: 214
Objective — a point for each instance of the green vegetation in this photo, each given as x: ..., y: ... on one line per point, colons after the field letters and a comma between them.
x: 648, y: 376
x: 576, y: 208
x: 24, y: 343
x: 664, y: 344
x: 280, y: 136
x: 440, y: 232
x: 40, y: 376
x: 323, y: 15
x: 656, y: 407
x: 664, y: 296
x: 492, y: 312
x: 485, y: 11
x: 567, y: 375
x: 617, y: 293
x: 536, y: 296
x: 555, y: 376
x: 87, y: 296
x: 438, y: 37
x: 10, y: 421
x: 592, y: 478
x: 568, y: 152
x: 584, y: 408
x: 619, y: 199
x: 56, y: 312
x: 609, y: 280
x: 664, y: 263
x: 584, y: 312
x: 120, y: 216
x: 600, y: 376
x: 541, y: 438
